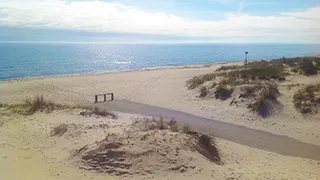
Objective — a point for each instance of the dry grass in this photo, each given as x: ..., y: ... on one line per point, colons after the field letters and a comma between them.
x: 207, y: 147
x: 154, y: 123
x: 199, y: 80
x: 203, y: 91
x: 59, y: 130
x: 265, y: 100
x: 307, y: 100
x: 30, y: 107
x: 98, y: 112
x: 186, y: 129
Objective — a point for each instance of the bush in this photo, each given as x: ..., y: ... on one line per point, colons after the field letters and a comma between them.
x: 223, y: 92
x: 308, y: 68
x: 307, y: 100
x: 203, y: 91
x: 186, y: 129
x: 265, y: 101
x: 173, y: 126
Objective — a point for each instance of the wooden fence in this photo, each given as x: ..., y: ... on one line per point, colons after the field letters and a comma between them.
x: 104, y: 97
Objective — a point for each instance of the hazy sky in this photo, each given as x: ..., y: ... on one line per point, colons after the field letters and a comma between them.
x: 158, y: 21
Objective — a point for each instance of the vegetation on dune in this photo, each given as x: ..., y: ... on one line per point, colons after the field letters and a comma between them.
x: 265, y: 99
x: 308, y: 67
x: 204, y: 144
x: 30, y: 107
x: 258, y: 83
x: 223, y: 92
x: 307, y: 100
x: 199, y: 80
x: 203, y: 91
x: 98, y: 112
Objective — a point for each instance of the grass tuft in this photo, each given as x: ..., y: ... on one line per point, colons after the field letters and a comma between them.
x: 59, y: 130
x: 265, y: 101
x: 29, y: 107
x: 307, y: 100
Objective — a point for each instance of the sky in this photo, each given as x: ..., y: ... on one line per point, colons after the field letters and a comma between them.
x: 160, y: 21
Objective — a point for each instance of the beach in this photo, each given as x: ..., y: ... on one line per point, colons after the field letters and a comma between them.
x: 162, y: 87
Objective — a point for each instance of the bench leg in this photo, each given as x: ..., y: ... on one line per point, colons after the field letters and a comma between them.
x: 104, y: 97
x: 96, y: 99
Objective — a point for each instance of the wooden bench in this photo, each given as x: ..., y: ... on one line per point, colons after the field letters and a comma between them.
x: 104, y: 97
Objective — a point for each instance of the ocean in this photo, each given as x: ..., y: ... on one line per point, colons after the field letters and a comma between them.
x: 24, y: 60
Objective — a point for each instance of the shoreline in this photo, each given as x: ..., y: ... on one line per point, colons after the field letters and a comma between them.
x: 186, y: 66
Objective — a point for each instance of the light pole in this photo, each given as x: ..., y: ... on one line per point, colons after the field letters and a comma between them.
x: 246, y: 60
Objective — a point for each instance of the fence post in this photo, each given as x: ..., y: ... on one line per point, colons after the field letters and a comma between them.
x: 96, y: 99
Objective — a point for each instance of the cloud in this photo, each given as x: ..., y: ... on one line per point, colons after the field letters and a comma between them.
x: 97, y: 16
x: 241, y: 5
x: 311, y: 13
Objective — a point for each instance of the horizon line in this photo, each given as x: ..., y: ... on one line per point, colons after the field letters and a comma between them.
x: 175, y: 42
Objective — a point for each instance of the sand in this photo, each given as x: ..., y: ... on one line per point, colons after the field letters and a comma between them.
x: 166, y: 88
x: 27, y: 151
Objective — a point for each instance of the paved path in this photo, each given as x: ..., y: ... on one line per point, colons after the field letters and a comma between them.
x: 231, y: 132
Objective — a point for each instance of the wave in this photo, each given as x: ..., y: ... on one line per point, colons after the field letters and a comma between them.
x: 123, y: 62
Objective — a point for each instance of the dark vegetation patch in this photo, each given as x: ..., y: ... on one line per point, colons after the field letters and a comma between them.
x: 223, y: 92
x: 307, y: 100
x: 98, y: 112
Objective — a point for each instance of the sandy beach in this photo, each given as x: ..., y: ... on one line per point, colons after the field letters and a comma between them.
x: 25, y: 140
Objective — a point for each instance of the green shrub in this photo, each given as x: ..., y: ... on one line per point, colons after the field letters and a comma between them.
x: 308, y: 67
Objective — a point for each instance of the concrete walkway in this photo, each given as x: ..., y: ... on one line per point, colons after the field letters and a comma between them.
x: 239, y: 134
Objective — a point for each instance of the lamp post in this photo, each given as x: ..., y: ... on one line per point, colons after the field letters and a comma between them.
x: 246, y: 60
